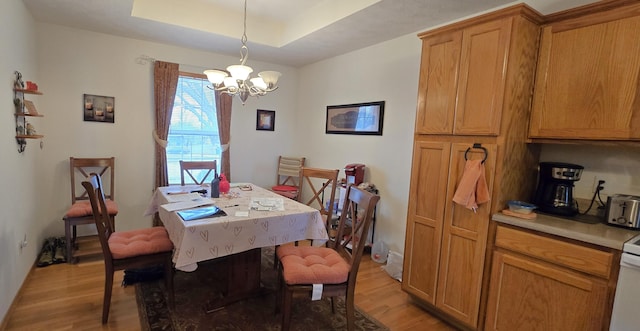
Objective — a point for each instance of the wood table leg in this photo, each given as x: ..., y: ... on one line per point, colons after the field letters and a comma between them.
x: 243, y: 279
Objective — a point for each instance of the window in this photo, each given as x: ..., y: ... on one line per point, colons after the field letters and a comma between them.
x: 193, y: 132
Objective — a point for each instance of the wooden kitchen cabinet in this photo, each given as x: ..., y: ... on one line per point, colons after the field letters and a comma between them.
x: 462, y: 80
x: 542, y: 283
x: 587, y: 82
x: 476, y: 80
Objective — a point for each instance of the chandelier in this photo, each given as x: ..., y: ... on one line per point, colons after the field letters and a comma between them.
x: 236, y: 80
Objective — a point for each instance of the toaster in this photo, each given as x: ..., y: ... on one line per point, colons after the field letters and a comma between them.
x: 623, y: 210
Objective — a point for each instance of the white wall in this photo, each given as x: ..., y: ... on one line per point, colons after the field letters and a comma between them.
x: 384, y: 72
x: 20, y: 191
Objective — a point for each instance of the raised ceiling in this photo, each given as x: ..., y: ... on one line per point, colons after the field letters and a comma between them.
x: 288, y: 32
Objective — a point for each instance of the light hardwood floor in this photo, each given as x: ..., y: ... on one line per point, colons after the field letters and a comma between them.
x: 69, y: 297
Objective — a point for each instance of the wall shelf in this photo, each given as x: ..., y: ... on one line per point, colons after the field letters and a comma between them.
x: 23, y: 109
x: 38, y: 115
x: 25, y: 91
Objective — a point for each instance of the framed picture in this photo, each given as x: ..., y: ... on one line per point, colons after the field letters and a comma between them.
x: 265, y: 120
x: 31, y: 108
x: 359, y: 118
x: 98, y: 108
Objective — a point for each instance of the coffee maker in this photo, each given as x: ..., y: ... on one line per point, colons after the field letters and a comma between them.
x: 354, y: 173
x: 554, y: 194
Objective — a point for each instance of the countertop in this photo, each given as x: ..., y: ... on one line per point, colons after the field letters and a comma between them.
x: 598, y: 234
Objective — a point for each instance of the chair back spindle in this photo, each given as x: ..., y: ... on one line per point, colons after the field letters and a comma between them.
x: 288, y: 176
x: 81, y: 168
x: 322, y: 185
x: 93, y: 188
x: 190, y: 168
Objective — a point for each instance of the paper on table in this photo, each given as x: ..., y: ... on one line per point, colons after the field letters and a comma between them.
x: 187, y: 204
x: 242, y: 186
x: 176, y: 190
x: 183, y: 197
x: 267, y: 204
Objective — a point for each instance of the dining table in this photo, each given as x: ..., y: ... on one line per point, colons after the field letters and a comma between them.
x: 252, y: 218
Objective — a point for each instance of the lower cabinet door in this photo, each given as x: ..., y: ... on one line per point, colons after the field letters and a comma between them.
x: 425, y: 215
x: 527, y: 294
x: 464, y: 240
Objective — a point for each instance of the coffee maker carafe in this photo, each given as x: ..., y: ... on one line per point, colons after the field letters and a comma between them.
x: 554, y: 194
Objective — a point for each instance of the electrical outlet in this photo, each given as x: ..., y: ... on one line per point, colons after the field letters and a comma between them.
x: 23, y: 243
x: 598, y: 181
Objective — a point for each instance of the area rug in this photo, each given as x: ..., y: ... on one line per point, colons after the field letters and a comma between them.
x: 193, y: 290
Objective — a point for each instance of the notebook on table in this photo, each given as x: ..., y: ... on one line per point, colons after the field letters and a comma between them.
x: 200, y: 213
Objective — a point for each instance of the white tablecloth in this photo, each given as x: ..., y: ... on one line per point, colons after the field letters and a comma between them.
x: 210, y: 238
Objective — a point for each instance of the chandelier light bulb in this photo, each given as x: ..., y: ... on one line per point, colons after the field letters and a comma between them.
x: 259, y: 83
x: 216, y: 77
x: 240, y: 72
x: 270, y: 78
x: 230, y: 82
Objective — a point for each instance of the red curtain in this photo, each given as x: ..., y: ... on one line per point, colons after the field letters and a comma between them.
x: 165, y: 77
x: 223, y: 113
x: 165, y: 84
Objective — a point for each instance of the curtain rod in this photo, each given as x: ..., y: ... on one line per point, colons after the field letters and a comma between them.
x: 144, y: 59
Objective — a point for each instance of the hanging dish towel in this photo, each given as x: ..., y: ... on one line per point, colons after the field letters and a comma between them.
x: 472, y: 189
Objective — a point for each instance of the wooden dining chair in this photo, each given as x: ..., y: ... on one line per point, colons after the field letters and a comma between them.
x: 127, y: 249
x: 322, y: 184
x: 80, y: 211
x: 333, y: 269
x: 191, y: 167
x: 288, y: 176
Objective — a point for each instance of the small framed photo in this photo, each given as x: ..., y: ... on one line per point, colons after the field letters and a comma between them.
x: 98, y: 108
x: 359, y: 118
x: 31, y: 108
x: 265, y: 120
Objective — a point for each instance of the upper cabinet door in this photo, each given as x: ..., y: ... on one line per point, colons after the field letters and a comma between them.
x: 462, y: 80
x: 588, y: 78
x: 483, y: 67
x: 438, y: 83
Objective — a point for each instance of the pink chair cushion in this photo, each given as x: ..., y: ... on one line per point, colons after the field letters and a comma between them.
x: 285, y: 188
x: 83, y: 208
x: 312, y: 265
x: 132, y: 243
